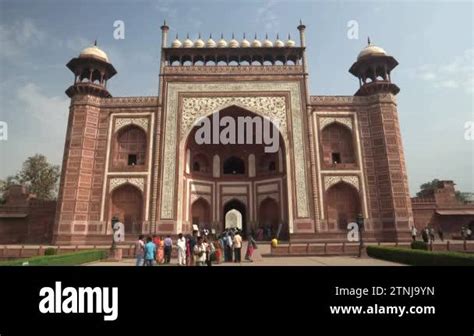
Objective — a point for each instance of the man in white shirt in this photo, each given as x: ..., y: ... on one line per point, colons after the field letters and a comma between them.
x: 237, y: 247
x: 181, y: 250
x: 200, y: 252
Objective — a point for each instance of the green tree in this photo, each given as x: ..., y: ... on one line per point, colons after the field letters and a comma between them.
x: 428, y: 187
x: 37, y: 175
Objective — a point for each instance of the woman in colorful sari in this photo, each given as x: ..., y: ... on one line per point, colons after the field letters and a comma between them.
x: 251, y: 246
x: 156, y: 241
x: 161, y: 251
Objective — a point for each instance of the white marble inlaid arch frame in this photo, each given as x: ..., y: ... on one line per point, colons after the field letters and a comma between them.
x: 353, y: 180
x: 173, y: 136
x: 326, y: 121
x: 123, y: 122
x: 116, y: 182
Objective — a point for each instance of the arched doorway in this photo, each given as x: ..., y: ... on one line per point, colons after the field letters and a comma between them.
x: 129, y: 148
x: 127, y: 206
x: 337, y: 145
x: 233, y: 220
x: 269, y: 218
x: 342, y: 205
x: 239, y: 207
x: 201, y: 213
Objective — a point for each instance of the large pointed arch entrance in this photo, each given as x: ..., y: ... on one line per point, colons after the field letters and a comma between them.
x: 235, y: 174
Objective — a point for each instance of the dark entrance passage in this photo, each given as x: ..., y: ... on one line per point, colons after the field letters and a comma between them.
x: 240, y: 207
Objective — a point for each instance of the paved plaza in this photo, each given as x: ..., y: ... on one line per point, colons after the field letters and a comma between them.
x: 279, y: 261
x: 266, y: 260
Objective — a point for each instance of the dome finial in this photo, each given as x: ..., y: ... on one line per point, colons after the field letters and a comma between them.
x: 95, y: 43
x: 255, y: 35
x: 289, y: 36
x: 266, y: 36
x: 176, y: 35
x: 301, y: 22
x: 278, y: 36
x: 222, y: 35
x: 187, y: 35
x: 244, y: 35
x: 368, y: 40
x: 210, y: 35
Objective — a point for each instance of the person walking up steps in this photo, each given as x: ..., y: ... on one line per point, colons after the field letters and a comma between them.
x: 168, y: 249
x: 140, y: 251
x: 251, y: 246
x: 150, y: 252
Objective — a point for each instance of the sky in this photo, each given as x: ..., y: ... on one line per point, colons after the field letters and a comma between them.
x: 432, y: 40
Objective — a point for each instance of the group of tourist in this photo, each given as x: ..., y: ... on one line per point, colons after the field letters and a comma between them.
x: 427, y: 234
x: 198, y: 249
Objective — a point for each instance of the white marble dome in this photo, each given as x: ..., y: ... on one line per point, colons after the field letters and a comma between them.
x: 233, y: 43
x: 94, y: 52
x: 199, y: 43
x: 256, y: 43
x: 245, y: 43
x: 267, y: 43
x: 290, y: 42
x: 222, y: 43
x: 188, y: 43
x: 371, y: 50
x: 210, y: 42
x: 176, y: 43
x: 279, y: 43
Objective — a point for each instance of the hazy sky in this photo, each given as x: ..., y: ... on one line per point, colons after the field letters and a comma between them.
x: 432, y: 40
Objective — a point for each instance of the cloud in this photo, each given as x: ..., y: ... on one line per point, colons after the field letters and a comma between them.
x: 456, y: 74
x: 77, y: 43
x: 266, y: 13
x: 51, y: 112
x: 167, y: 9
x: 18, y: 37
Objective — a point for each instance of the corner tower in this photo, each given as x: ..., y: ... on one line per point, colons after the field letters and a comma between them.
x: 91, y: 71
x: 80, y: 189
x: 389, y: 205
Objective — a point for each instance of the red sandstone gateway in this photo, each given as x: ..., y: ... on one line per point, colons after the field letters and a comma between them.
x: 136, y: 158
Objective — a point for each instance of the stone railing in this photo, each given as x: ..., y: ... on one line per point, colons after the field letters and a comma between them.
x: 320, y: 249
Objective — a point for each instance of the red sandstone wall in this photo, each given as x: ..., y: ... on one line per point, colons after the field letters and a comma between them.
x: 34, y: 224
x: 80, y: 191
x: 389, y: 201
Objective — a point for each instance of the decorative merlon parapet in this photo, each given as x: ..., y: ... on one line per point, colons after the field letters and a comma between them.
x: 145, y: 101
x: 352, y: 100
x: 234, y: 70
